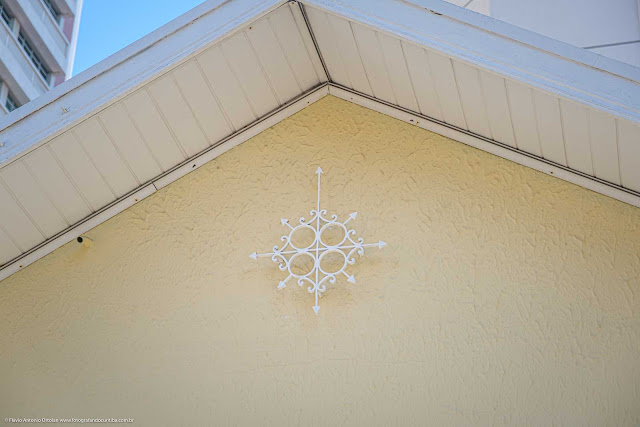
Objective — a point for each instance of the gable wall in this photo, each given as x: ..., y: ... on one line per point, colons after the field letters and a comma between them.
x: 504, y: 296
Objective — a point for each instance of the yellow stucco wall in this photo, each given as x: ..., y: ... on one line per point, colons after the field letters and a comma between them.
x: 504, y: 296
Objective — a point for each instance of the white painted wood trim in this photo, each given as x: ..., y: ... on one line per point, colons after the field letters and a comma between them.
x: 493, y: 147
x: 526, y: 57
x: 163, y: 180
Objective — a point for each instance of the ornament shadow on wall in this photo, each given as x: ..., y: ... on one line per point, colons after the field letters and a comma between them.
x: 318, y: 250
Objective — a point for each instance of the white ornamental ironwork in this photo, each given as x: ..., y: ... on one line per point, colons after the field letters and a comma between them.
x: 317, y: 250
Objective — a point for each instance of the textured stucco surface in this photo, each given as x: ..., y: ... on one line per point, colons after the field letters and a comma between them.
x: 504, y: 296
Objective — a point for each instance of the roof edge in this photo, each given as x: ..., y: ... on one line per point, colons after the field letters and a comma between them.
x: 512, y: 52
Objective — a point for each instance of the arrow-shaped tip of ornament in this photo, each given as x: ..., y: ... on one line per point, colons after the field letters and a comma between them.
x: 351, y: 279
x: 381, y: 244
x: 316, y: 308
x: 319, y: 170
x: 254, y: 255
x: 284, y: 221
x: 281, y: 285
x: 353, y: 215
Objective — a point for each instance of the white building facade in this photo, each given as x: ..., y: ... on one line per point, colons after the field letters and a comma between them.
x: 610, y: 28
x: 38, y: 40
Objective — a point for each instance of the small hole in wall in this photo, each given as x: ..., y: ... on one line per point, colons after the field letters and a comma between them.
x: 551, y: 172
x: 194, y: 165
x: 20, y: 265
x: 136, y: 200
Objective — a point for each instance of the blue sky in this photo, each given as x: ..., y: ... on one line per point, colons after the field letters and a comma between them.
x: 106, y: 26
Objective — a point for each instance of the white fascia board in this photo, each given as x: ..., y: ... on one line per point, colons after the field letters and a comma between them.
x: 26, y: 128
x: 509, y: 51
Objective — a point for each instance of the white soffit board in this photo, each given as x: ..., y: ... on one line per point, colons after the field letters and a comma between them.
x: 501, y: 91
x: 223, y: 90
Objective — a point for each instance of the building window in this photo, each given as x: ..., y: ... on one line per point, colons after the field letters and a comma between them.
x: 11, y: 104
x: 4, y: 13
x: 52, y: 10
x: 28, y: 49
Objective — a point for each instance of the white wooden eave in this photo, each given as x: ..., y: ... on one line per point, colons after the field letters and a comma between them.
x: 227, y: 70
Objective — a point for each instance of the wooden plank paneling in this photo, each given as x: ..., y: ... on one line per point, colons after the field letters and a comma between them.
x: 523, y: 118
x: 8, y: 249
x: 245, y: 65
x: 16, y: 222
x: 32, y: 198
x: 549, y: 123
x: 629, y: 146
x: 445, y: 83
x: 328, y: 46
x: 498, y: 112
x: 130, y: 144
x: 398, y: 71
x: 350, y: 54
x: 604, y: 146
x: 178, y: 115
x: 273, y: 60
x: 374, y: 63
x: 200, y: 98
x: 105, y: 156
x: 290, y: 38
x: 152, y: 128
x: 423, y: 85
x: 575, y: 126
x: 472, y: 98
x: 226, y: 87
x: 57, y: 185
x: 81, y: 170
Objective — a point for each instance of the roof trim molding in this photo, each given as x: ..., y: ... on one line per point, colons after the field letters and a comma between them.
x: 28, y: 127
x: 511, y: 52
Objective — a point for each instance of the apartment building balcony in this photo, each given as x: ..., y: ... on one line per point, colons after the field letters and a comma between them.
x: 44, y: 32
x: 66, y: 7
x: 17, y: 69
